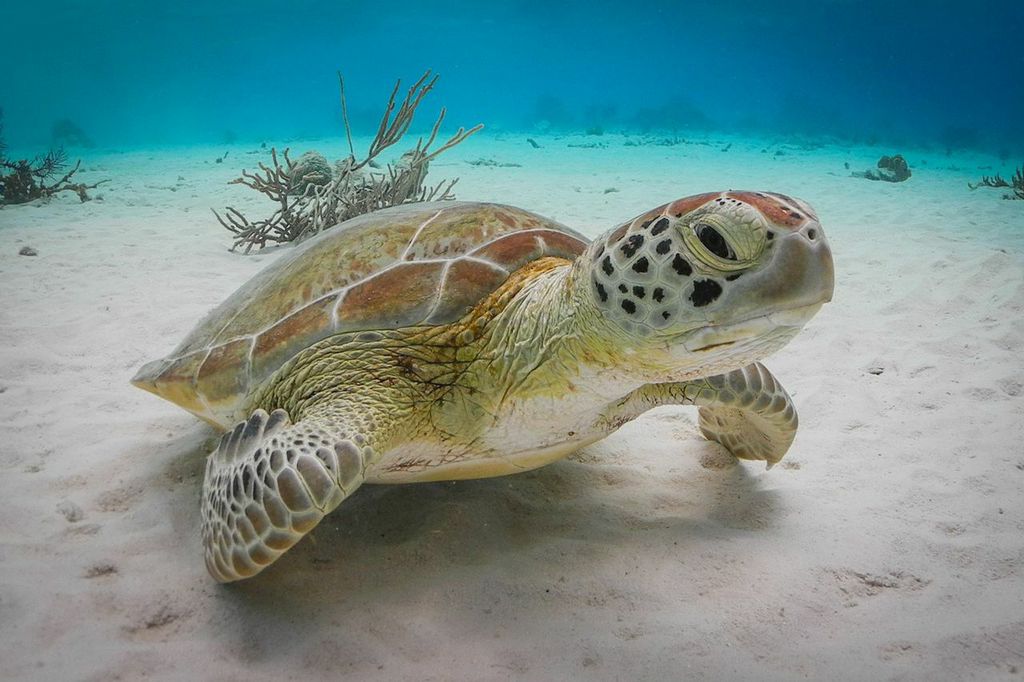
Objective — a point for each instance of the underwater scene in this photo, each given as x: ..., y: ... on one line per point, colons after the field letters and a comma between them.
x: 512, y: 340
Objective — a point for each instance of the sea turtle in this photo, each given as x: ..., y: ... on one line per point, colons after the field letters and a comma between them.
x: 441, y: 341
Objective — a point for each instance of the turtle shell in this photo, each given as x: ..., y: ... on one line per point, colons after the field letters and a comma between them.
x: 417, y: 264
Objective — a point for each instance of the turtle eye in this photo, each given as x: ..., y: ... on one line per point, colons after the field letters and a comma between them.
x: 714, y: 242
x: 723, y: 243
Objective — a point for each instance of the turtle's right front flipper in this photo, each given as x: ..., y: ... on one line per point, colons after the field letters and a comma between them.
x: 269, y: 483
x: 746, y: 410
x: 749, y: 412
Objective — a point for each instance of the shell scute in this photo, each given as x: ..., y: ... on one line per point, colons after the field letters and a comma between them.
x: 174, y: 380
x: 454, y: 231
x: 466, y: 283
x: 219, y: 373
x: 511, y: 251
x: 273, y: 347
x: 561, y: 244
x: 515, y: 250
x: 401, y: 296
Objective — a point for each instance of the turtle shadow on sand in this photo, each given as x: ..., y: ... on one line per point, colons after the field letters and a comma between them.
x: 448, y: 547
x: 400, y: 542
x: 405, y: 533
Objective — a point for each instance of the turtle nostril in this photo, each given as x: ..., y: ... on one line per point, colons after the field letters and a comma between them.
x: 812, y: 234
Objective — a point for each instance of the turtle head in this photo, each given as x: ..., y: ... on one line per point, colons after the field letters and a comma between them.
x: 712, y: 282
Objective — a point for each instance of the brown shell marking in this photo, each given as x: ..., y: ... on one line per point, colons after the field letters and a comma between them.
x: 220, y: 373
x: 272, y: 348
x: 409, y: 265
x: 338, y: 261
x: 463, y: 282
x: 398, y: 297
x: 511, y: 250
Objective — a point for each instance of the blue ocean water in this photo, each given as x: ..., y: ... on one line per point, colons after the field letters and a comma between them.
x: 137, y: 74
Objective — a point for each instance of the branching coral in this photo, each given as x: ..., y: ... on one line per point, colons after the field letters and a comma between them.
x: 1016, y: 184
x: 986, y: 181
x: 312, y: 198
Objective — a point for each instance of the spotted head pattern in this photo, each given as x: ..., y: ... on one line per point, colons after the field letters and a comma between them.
x: 677, y: 262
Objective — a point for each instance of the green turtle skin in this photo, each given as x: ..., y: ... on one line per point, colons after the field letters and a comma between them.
x: 462, y: 340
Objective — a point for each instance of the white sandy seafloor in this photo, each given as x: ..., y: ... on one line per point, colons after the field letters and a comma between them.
x: 889, y: 544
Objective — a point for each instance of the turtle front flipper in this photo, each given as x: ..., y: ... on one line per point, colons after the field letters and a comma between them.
x: 746, y: 410
x: 749, y: 412
x: 269, y: 483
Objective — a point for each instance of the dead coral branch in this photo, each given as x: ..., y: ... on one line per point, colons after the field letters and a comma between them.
x: 311, y: 201
x: 284, y: 225
x: 390, y: 131
x: 29, y: 180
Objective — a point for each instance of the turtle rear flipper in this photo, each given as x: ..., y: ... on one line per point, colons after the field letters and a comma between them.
x: 269, y: 483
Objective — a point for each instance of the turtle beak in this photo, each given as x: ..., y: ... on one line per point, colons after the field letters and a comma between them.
x: 820, y: 273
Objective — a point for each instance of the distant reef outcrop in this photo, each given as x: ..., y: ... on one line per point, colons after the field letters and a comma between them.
x: 889, y: 169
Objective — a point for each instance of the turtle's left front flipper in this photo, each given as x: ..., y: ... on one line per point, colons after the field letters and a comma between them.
x: 746, y: 410
x: 270, y: 482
